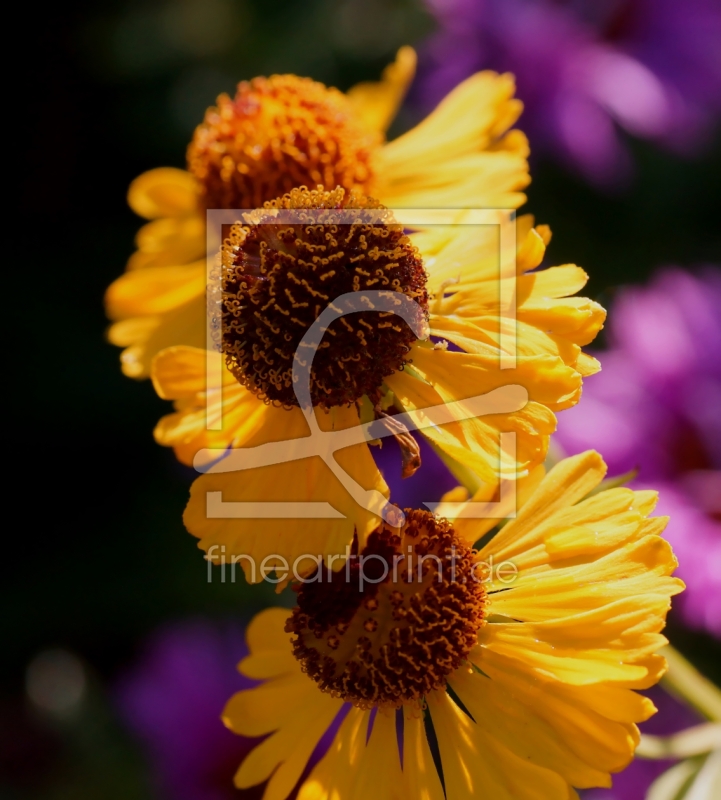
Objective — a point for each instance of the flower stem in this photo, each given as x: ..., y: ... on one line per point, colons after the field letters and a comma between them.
x: 687, y: 683
x: 691, y: 742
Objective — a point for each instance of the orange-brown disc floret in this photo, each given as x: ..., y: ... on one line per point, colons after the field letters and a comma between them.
x: 396, y: 620
x: 275, y: 134
x: 278, y: 277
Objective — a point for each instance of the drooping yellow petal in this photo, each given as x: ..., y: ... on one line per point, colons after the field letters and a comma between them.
x: 461, y: 375
x: 168, y: 242
x: 475, y: 335
x: 475, y: 763
x: 641, y: 566
x: 217, y: 416
x: 299, y: 714
x: 163, y: 192
x: 333, y: 778
x: 577, y: 317
x: 567, y: 483
x: 420, y: 776
x: 377, y: 102
x: 278, y: 707
x: 583, y: 733
x: 475, y: 443
x: 270, y: 650
x: 155, y: 290
x: 179, y: 372
x: 356, y: 769
x: 576, y: 665
x: 461, y: 155
x: 559, y: 543
x: 595, y: 720
x: 296, y: 539
x: 145, y: 337
x: 520, y: 728
x: 127, y: 332
x: 474, y: 305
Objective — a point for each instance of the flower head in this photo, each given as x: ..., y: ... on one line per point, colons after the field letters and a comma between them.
x: 276, y: 134
x: 394, y: 641
x: 278, y: 277
x: 284, y: 132
x: 524, y: 675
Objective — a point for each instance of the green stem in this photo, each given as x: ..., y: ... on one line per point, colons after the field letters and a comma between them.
x: 694, y: 741
x: 687, y: 683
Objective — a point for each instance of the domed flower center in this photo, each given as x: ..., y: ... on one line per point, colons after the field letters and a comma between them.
x: 392, y: 624
x: 278, y: 277
x: 278, y: 133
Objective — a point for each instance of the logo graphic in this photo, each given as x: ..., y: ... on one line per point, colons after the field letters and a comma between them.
x: 325, y: 444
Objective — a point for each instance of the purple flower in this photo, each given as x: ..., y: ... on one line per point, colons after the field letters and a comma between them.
x: 651, y: 67
x: 172, y: 700
x: 655, y: 408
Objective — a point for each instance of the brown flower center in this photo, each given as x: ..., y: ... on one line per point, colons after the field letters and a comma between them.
x: 278, y: 277
x: 397, y: 620
x: 276, y: 134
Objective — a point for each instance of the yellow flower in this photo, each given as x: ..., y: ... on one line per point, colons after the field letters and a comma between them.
x: 526, y: 678
x: 367, y: 367
x: 284, y: 132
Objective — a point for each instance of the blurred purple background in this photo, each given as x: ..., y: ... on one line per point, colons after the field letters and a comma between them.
x: 586, y: 70
x: 171, y: 701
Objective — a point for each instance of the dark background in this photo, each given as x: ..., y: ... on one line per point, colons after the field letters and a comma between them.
x: 95, y: 552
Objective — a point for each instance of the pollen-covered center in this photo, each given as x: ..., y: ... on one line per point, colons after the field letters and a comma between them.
x: 278, y: 133
x: 277, y: 278
x: 395, y: 621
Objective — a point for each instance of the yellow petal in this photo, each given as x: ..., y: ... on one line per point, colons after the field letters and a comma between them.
x: 459, y: 376
x: 575, y: 666
x: 334, y: 776
x: 163, y: 192
x: 475, y: 335
x: 420, y: 776
x: 472, y: 529
x: 378, y: 774
x: 639, y: 567
x: 593, y: 724
x: 168, y: 242
x: 476, y: 764
x: 377, y: 103
x: 128, y: 331
x: 520, y: 728
x: 283, y: 756
x: 576, y: 317
x: 475, y: 443
x: 532, y: 249
x: 270, y: 706
x: 180, y: 371
x: 271, y: 651
x: 306, y: 480
x: 155, y: 290
x: 552, y: 282
x: 566, y: 484
x: 460, y: 155
x: 184, y: 325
